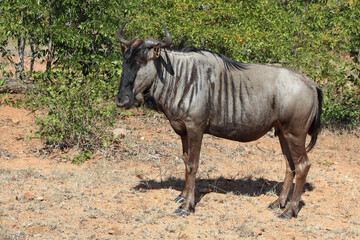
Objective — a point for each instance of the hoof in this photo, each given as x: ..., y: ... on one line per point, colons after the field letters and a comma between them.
x: 288, y: 214
x: 179, y: 199
x: 284, y: 216
x: 272, y: 207
x: 277, y: 204
x: 182, y: 212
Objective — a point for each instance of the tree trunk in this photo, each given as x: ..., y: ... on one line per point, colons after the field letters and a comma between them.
x: 33, y: 54
x: 50, y: 50
x: 19, y: 66
x: 297, y: 35
x: 49, y: 55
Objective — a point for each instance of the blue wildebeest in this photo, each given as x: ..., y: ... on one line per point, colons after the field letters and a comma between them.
x: 200, y: 91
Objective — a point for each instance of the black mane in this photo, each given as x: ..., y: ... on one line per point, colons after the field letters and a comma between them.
x: 229, y: 63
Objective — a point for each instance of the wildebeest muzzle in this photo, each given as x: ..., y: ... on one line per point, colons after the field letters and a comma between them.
x: 125, y: 100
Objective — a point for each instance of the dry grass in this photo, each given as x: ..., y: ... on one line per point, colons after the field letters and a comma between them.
x: 128, y: 192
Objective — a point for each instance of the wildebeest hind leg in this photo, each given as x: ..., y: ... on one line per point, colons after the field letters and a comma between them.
x: 302, y: 165
x: 289, y: 175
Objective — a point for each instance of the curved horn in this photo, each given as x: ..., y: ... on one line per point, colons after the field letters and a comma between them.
x: 168, y: 40
x: 120, y: 37
x: 149, y: 42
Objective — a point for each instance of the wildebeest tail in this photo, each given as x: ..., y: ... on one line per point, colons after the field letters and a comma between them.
x: 314, y: 129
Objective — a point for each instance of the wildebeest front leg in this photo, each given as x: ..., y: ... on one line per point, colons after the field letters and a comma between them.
x: 191, y: 160
x: 184, y: 141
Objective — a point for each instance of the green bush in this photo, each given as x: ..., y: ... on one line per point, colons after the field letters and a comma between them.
x: 342, y: 98
x: 73, y: 110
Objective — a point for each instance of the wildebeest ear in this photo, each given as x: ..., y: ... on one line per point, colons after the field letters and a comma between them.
x: 156, y: 51
x: 124, y: 48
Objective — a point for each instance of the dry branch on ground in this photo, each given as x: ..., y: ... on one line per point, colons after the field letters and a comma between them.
x: 14, y: 86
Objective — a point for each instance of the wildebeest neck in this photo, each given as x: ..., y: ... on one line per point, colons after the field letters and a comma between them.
x: 160, y: 63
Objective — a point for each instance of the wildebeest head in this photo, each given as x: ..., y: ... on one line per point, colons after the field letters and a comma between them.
x: 138, y: 65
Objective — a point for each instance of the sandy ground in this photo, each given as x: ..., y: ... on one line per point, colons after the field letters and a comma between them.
x: 127, y: 192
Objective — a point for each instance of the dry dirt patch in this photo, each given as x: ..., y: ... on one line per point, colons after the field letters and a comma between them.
x: 129, y: 194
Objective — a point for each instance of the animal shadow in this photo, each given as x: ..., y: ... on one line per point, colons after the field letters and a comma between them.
x: 242, y: 186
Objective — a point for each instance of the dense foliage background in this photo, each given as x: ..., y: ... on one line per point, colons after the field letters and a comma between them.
x: 76, y: 39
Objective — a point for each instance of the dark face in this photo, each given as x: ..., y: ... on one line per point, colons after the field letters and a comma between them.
x: 134, y: 58
x: 138, y: 74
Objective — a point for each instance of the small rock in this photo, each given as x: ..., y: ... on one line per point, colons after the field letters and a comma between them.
x: 114, y: 231
x: 40, y: 198
x: 119, y: 132
x: 140, y: 176
x: 142, y: 138
x: 29, y: 196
